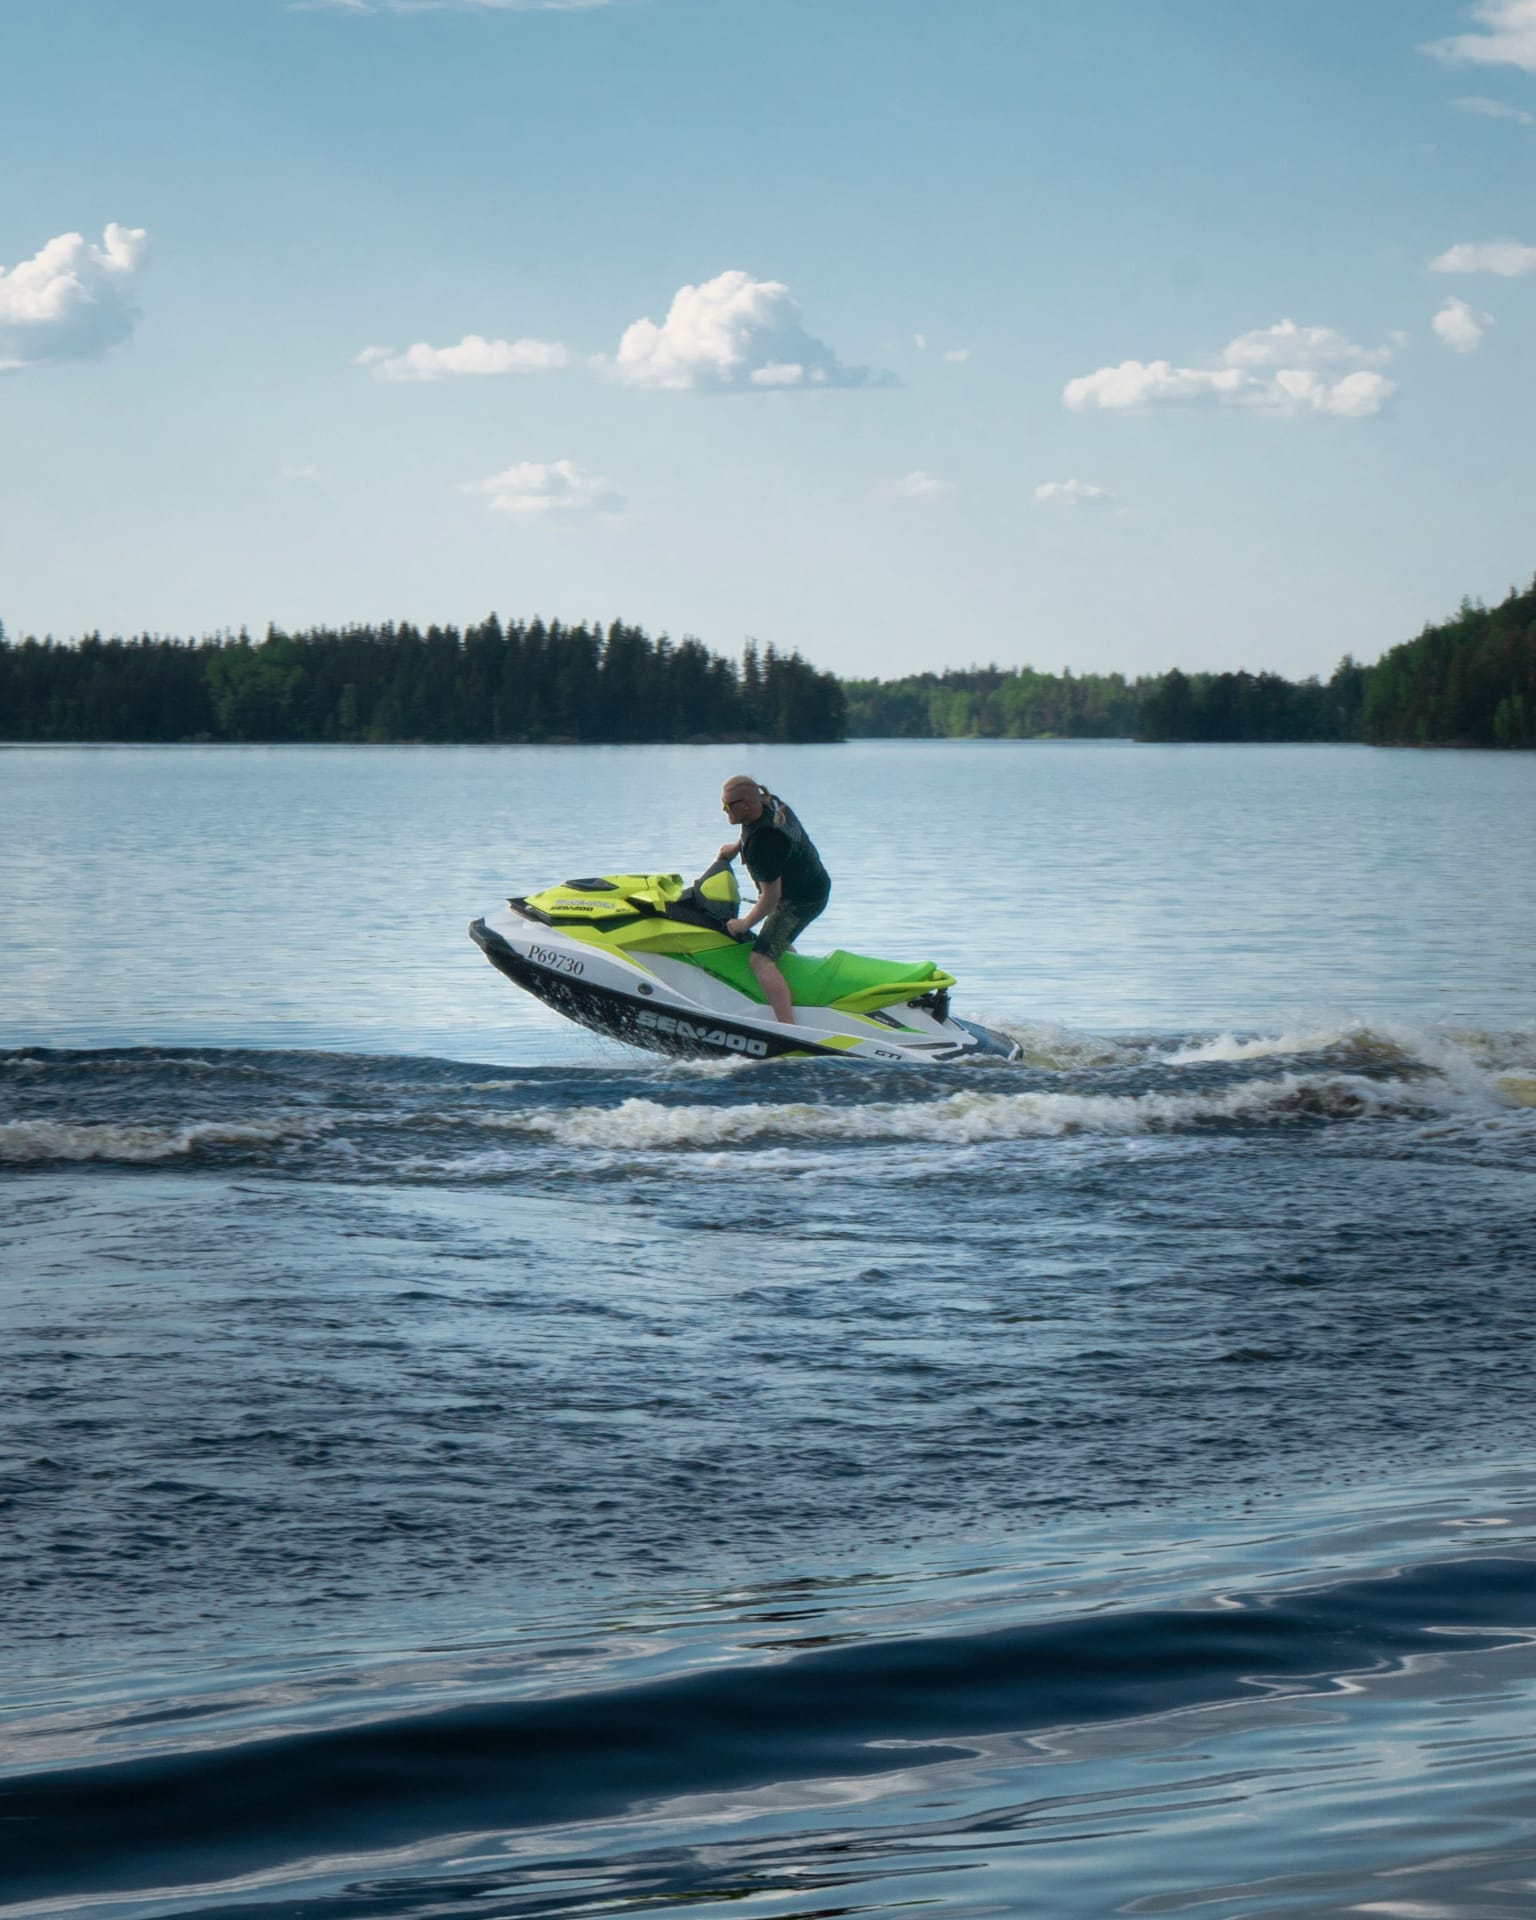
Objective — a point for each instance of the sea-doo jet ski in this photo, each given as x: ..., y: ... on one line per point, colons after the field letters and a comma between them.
x: 647, y: 959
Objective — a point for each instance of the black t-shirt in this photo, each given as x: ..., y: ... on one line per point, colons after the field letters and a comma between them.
x: 785, y: 854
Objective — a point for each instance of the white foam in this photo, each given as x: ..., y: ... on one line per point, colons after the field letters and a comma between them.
x: 1230, y: 1047
x: 24, y: 1141
x: 977, y: 1117
x: 725, y: 1068
x: 1062, y: 1049
x: 1470, y: 1060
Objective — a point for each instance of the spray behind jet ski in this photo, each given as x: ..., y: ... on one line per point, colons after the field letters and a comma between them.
x: 646, y: 959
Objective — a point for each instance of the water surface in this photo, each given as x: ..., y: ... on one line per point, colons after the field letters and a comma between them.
x: 451, y: 1465
x: 317, y: 896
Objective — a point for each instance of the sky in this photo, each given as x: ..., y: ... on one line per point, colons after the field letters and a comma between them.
x: 1104, y: 334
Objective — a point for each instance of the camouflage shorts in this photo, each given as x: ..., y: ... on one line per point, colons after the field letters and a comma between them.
x: 778, y: 931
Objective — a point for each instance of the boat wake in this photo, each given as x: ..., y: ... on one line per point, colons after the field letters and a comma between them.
x: 359, y: 1117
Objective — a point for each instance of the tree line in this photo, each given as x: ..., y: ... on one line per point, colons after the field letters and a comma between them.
x: 994, y: 703
x: 495, y: 682
x: 1468, y: 681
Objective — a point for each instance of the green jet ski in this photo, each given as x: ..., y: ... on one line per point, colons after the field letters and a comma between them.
x: 647, y: 959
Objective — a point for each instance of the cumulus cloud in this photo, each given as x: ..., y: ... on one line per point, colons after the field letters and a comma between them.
x: 1070, y: 493
x: 1355, y: 397
x: 916, y: 485
x: 1287, y: 345
x: 1493, y: 109
x: 1507, y: 37
x: 473, y: 354
x: 1284, y: 369
x: 1136, y: 383
x: 1459, y: 327
x: 732, y: 334
x: 1507, y: 258
x: 560, y: 491
x: 72, y: 300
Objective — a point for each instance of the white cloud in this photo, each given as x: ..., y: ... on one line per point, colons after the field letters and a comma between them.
x: 732, y: 334
x: 1274, y: 369
x: 1507, y: 258
x: 561, y: 490
x: 778, y: 373
x: 916, y: 485
x: 1508, y: 38
x: 1493, y: 109
x: 958, y: 355
x: 1459, y: 327
x: 473, y: 354
x: 1287, y: 345
x: 71, y: 300
x: 299, y: 472
x: 1354, y: 397
x: 920, y: 341
x: 1070, y: 493
x: 1135, y: 383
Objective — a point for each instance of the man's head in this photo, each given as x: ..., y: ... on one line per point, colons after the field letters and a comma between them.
x: 741, y: 799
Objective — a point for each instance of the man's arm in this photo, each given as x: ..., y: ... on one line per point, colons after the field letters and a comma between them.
x: 765, y: 903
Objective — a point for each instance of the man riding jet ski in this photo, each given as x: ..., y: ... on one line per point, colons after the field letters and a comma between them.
x: 646, y: 959
x: 792, y: 884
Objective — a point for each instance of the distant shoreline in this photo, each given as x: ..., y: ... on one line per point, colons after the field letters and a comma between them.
x: 1468, y: 683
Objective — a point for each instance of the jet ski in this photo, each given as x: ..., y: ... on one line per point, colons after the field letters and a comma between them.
x: 648, y: 960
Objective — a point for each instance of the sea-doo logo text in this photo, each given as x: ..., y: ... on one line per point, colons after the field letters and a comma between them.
x: 706, y: 1036
x: 561, y: 962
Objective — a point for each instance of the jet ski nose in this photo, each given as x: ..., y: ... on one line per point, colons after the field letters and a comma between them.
x: 478, y: 935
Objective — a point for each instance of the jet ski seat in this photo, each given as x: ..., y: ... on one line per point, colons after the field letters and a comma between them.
x: 850, y: 980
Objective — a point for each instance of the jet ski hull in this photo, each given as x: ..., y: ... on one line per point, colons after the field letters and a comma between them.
x: 624, y: 1015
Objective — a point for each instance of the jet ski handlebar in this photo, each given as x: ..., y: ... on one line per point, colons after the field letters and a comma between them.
x: 715, y: 911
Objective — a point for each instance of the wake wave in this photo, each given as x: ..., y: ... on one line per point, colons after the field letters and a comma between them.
x: 429, y: 1119
x: 968, y: 1118
x: 24, y: 1141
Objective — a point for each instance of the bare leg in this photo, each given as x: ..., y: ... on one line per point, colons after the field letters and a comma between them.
x: 775, y: 987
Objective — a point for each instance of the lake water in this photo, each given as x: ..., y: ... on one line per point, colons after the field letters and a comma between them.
x: 451, y: 1465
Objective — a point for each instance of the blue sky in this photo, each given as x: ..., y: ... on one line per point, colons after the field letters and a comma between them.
x: 1115, y: 334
